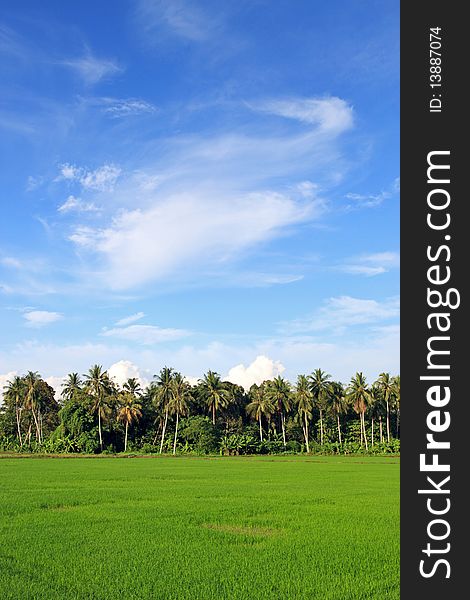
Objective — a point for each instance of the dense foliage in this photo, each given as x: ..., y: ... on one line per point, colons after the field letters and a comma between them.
x: 95, y: 415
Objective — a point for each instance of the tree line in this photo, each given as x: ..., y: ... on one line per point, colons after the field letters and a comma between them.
x: 95, y: 415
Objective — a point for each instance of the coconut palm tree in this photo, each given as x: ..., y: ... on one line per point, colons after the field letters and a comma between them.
x: 338, y: 404
x: 179, y: 403
x: 15, y: 390
x: 279, y: 392
x: 260, y: 405
x: 98, y: 385
x: 359, y: 396
x: 163, y: 395
x: 129, y: 411
x: 320, y: 386
x: 71, y: 385
x: 304, y: 400
x: 385, y: 383
x: 132, y: 386
x: 214, y: 392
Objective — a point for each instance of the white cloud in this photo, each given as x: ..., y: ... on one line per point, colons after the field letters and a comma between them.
x: 33, y: 183
x: 376, y: 350
x: 10, y: 261
x: 73, y: 204
x: 342, y: 312
x: 123, y: 370
x: 130, y: 319
x: 101, y: 179
x: 180, y: 17
x: 261, y: 369
x: 56, y: 384
x: 145, y: 245
x: 120, y: 108
x: 4, y: 379
x: 92, y: 69
x: 371, y: 200
x: 40, y: 318
x: 330, y: 114
x: 372, y: 264
x: 177, y: 220
x: 145, y: 334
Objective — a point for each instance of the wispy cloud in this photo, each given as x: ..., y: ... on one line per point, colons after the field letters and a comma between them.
x: 371, y: 264
x: 183, y: 18
x: 339, y: 313
x: 91, y: 69
x: 128, y: 107
x: 130, y: 319
x: 73, y: 204
x: 371, y: 200
x: 331, y: 114
x: 176, y: 217
x: 145, y: 334
x: 187, y: 230
x: 40, y: 318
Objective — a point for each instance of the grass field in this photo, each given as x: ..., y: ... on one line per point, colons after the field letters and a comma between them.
x: 193, y: 528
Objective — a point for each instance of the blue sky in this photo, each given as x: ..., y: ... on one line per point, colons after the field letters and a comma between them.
x: 199, y: 184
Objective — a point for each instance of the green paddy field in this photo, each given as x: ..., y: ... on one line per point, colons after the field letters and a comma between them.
x: 235, y: 528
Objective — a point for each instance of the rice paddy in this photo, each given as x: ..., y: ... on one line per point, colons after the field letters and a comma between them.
x: 235, y: 528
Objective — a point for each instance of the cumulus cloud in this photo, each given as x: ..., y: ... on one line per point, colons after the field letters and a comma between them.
x: 40, y: 318
x: 145, y: 334
x: 123, y: 370
x: 261, y: 369
x: 4, y: 379
x: 56, y: 384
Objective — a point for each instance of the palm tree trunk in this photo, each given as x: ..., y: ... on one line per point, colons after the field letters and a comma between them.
x: 157, y: 432
x: 164, y: 430
x: 372, y: 431
x: 283, y: 429
x: 38, y: 435
x: 380, y: 430
x: 364, y: 426
x: 398, y: 423
x: 99, y: 429
x: 360, y: 421
x: 176, y: 433
x: 213, y: 413
x: 18, y: 426
x: 339, y: 430
x: 321, y: 427
x: 388, y: 422
x: 306, y: 434
x: 125, y: 441
x: 260, y: 428
x: 28, y: 435
x: 40, y: 424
